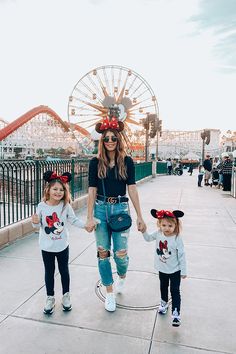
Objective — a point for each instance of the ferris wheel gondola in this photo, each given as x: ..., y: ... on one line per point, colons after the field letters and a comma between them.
x: 110, y: 85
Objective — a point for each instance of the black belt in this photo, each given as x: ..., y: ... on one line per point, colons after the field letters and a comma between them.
x: 113, y: 200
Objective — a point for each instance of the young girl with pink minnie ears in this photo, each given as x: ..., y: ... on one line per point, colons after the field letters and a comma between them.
x: 52, y: 217
x: 169, y: 259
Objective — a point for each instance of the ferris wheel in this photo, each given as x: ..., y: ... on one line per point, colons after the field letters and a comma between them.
x: 107, y: 85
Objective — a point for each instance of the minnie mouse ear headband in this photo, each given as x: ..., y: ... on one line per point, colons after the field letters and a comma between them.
x: 109, y: 123
x: 48, y: 176
x: 160, y: 214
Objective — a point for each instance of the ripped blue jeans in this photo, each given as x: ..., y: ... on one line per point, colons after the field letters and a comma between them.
x: 104, y: 238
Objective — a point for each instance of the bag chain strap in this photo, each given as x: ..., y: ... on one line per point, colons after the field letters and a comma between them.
x: 104, y: 194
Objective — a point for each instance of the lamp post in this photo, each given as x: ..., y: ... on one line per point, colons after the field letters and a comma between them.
x: 206, y: 137
x: 151, y: 126
x: 203, y: 148
x: 159, y: 130
x: 147, y: 121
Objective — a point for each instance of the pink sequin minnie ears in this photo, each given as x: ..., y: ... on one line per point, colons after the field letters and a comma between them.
x: 49, y: 176
x: 160, y: 214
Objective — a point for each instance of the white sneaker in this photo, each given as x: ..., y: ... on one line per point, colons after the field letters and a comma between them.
x: 119, y: 285
x: 66, y: 304
x: 163, y: 307
x: 176, y: 321
x: 110, y: 302
x: 49, y: 306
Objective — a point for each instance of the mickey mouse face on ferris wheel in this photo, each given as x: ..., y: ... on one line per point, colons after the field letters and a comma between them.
x: 122, y: 107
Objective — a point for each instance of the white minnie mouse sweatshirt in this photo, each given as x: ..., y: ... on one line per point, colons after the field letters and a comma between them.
x: 169, y: 252
x: 53, y: 233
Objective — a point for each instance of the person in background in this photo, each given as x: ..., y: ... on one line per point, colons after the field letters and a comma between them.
x: 208, y: 167
x: 227, y: 167
x: 201, y: 172
x: 190, y: 169
x: 169, y: 166
x: 219, y: 168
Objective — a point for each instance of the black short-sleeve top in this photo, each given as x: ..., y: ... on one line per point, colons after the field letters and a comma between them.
x: 113, y: 186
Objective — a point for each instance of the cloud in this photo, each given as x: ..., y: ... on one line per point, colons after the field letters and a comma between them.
x: 219, y: 18
x: 96, y: 2
x: 6, y: 1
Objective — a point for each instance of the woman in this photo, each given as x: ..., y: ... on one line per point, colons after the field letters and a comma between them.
x: 109, y: 174
x: 227, y: 167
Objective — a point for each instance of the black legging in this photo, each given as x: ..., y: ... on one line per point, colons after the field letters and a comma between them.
x: 174, y: 280
x: 49, y: 265
x: 227, y: 182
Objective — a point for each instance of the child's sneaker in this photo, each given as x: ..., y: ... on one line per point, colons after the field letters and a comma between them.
x: 176, y: 322
x: 163, y: 307
x: 49, y: 306
x: 119, y: 285
x: 66, y: 304
x: 110, y: 302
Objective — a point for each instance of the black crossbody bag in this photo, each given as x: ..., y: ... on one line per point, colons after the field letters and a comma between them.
x: 118, y: 222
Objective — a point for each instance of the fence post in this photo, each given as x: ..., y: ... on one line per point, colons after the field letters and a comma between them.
x: 37, y: 181
x: 73, y: 178
x: 154, y: 169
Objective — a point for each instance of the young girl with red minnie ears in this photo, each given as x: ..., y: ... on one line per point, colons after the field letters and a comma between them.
x: 52, y: 216
x: 169, y: 259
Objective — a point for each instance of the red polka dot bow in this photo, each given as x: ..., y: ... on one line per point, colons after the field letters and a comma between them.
x: 162, y: 213
x: 52, y: 220
x: 163, y: 245
x: 109, y: 124
x: 63, y: 179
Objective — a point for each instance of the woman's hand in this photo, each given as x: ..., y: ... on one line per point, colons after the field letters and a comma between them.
x: 35, y: 219
x: 141, y: 225
x: 91, y: 225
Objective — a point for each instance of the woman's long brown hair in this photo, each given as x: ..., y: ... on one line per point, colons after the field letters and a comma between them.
x: 120, y: 153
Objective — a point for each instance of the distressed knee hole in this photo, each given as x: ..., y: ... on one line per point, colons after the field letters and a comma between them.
x: 121, y: 253
x: 102, y: 253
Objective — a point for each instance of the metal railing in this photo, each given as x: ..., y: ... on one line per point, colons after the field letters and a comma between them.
x: 22, y: 185
x: 143, y: 170
x: 161, y: 167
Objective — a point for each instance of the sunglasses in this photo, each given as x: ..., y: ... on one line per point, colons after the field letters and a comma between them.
x: 106, y: 139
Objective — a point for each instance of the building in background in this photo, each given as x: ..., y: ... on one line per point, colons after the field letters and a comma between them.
x: 228, y: 141
x: 186, y: 144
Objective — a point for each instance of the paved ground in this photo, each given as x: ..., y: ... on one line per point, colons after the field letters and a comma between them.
x: 208, y: 294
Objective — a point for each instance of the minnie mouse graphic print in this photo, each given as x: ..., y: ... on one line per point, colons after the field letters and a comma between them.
x: 169, y: 256
x: 163, y: 251
x: 53, y: 234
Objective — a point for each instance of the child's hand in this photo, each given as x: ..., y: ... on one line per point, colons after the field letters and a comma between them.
x: 35, y: 219
x: 91, y: 224
x: 145, y: 229
x: 97, y: 221
x: 183, y: 276
x: 141, y: 226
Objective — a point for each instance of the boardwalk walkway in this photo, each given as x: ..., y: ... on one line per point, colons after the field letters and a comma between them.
x: 208, y: 294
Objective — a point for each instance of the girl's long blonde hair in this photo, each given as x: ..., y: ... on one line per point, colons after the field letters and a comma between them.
x: 120, y: 153
x: 66, y: 198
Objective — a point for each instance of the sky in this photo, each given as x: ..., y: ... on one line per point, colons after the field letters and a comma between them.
x: 184, y: 49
